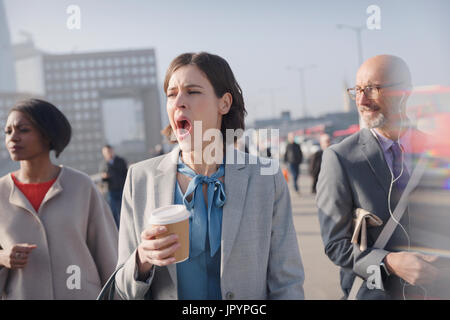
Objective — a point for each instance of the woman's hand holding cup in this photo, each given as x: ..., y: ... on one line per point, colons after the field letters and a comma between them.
x: 155, y: 249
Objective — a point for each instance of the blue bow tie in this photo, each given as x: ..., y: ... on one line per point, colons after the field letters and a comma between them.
x: 202, y: 218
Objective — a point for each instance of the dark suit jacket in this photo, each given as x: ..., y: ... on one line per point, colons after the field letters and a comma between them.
x: 354, y: 174
x: 293, y: 154
x: 315, y: 163
x: 117, y: 172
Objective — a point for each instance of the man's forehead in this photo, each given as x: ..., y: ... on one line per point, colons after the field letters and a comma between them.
x: 371, y: 74
x: 383, y: 69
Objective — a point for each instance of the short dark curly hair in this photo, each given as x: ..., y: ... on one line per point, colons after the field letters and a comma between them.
x: 48, y: 120
x: 218, y: 72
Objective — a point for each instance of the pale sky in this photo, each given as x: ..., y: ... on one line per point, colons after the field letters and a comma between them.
x: 259, y: 39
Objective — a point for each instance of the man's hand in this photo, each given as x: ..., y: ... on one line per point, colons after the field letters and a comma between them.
x: 415, y: 268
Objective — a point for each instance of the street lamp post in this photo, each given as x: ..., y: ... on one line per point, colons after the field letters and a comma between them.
x: 301, y: 72
x: 273, y: 103
x: 358, y: 32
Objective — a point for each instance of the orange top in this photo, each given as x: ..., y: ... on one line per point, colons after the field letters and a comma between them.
x: 34, y: 192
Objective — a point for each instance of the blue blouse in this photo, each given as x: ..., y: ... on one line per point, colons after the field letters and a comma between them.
x: 199, y: 277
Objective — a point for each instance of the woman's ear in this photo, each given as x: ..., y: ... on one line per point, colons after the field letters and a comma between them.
x: 225, y: 103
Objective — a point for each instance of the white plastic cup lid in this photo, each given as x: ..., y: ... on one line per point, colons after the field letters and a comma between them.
x: 169, y: 214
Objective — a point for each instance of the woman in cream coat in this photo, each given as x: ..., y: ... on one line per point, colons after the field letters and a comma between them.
x: 242, y: 239
x: 58, y: 239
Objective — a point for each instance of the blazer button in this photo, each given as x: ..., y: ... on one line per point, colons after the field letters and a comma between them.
x: 229, y: 295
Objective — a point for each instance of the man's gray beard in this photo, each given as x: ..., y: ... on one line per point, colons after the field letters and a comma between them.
x: 379, y: 121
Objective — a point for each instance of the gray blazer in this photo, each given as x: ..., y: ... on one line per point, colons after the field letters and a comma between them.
x: 355, y: 174
x: 260, y: 258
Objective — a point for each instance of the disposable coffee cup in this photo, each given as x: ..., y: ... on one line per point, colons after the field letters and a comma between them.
x: 176, y: 219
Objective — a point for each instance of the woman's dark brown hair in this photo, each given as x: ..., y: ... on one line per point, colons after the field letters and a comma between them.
x: 48, y: 120
x: 219, y: 74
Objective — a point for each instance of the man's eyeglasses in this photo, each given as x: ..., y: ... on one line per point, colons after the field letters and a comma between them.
x: 371, y: 91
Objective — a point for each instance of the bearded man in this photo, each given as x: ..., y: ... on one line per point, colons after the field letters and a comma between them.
x: 369, y: 170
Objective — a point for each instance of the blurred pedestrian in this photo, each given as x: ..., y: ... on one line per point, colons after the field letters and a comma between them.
x: 114, y: 172
x: 159, y: 151
x: 57, y: 239
x: 293, y: 157
x: 266, y: 152
x: 243, y: 245
x: 316, y: 160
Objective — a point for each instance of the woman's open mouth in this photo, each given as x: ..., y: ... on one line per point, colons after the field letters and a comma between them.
x: 184, y: 127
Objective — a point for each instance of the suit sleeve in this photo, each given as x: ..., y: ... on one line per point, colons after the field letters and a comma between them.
x: 127, y: 285
x: 312, y: 164
x: 285, y: 274
x: 300, y: 153
x: 335, y: 204
x: 124, y: 167
x: 335, y: 209
x: 104, y: 168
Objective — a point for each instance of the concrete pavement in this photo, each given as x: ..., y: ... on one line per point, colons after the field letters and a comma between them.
x: 321, y: 275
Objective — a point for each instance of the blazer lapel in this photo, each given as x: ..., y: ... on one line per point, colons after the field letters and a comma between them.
x: 165, y: 179
x: 374, y: 155
x: 236, y: 181
x: 235, y: 175
x: 164, y: 190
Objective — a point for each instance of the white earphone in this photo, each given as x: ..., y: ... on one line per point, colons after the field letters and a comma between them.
x: 393, y: 180
x: 400, y: 103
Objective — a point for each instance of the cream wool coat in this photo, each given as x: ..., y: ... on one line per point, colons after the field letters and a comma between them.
x: 75, y: 235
